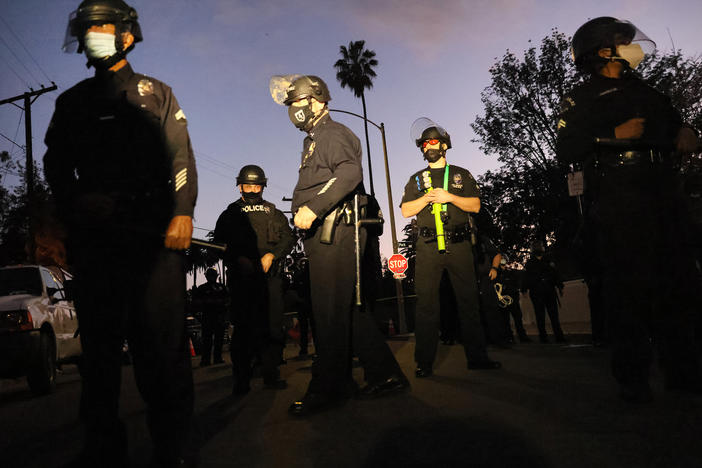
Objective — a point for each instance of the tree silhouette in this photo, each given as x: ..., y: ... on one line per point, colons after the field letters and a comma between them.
x: 355, y: 70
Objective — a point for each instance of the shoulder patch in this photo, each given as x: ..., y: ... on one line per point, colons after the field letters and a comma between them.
x: 180, y: 115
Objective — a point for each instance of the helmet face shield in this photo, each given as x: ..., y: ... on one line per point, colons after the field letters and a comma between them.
x: 278, y: 87
x: 424, y: 129
x: 607, y: 33
x: 70, y: 40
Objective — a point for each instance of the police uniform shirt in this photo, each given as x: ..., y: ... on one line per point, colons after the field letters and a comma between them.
x: 254, y: 229
x: 597, y: 106
x: 122, y: 135
x: 211, y: 297
x: 460, y: 182
x: 330, y: 167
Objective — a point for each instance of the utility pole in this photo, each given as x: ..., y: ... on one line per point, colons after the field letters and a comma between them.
x: 27, y: 98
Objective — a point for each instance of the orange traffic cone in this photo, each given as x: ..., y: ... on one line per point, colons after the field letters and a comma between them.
x: 391, y: 328
x: 192, y: 348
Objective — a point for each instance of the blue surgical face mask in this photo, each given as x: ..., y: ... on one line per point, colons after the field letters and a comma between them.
x: 99, y: 45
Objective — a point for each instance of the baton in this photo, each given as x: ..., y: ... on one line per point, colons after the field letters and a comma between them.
x: 436, y: 211
x: 207, y: 244
x: 357, y: 222
x: 631, y: 144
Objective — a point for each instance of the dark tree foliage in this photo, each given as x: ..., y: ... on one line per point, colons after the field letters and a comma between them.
x: 527, y: 196
x: 680, y: 78
x: 16, y: 244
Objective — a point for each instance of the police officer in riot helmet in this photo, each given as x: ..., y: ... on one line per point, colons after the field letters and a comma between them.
x: 633, y: 205
x: 258, y: 238
x: 442, y: 196
x: 330, y: 175
x: 122, y: 173
x: 211, y: 300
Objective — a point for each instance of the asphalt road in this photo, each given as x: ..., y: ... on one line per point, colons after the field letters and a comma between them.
x: 550, y: 406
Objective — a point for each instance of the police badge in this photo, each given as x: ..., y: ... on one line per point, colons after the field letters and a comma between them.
x: 145, y: 87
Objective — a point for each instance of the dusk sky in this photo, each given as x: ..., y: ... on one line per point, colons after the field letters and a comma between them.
x: 218, y: 56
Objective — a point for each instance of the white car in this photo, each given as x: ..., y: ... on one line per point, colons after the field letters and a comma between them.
x: 38, y: 325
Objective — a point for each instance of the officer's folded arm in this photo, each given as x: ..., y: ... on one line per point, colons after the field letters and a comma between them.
x: 411, y: 208
x: 467, y: 204
x: 179, y: 232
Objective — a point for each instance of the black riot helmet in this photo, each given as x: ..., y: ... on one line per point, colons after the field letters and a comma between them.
x: 424, y: 129
x: 307, y: 86
x: 604, y: 32
x: 251, y: 174
x: 98, y: 12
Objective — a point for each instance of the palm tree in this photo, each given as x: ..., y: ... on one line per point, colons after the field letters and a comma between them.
x: 355, y: 70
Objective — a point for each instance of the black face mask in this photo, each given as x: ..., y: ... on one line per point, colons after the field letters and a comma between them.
x: 433, y: 155
x: 252, y: 197
x: 301, y: 116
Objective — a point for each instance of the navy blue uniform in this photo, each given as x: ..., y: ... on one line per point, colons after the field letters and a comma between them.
x: 120, y: 166
x: 634, y: 207
x: 330, y: 173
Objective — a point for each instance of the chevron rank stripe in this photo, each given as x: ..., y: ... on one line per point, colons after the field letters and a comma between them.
x: 181, y: 179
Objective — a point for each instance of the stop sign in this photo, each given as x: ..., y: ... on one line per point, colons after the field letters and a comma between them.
x: 397, y: 264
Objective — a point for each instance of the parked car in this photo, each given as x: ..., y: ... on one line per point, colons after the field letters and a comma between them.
x: 38, y: 324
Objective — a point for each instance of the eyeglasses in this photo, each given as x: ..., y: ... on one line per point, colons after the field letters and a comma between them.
x: 433, y: 141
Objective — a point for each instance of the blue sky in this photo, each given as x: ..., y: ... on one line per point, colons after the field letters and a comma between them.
x: 218, y: 56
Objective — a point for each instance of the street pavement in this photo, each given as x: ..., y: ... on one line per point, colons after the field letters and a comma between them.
x: 550, y: 406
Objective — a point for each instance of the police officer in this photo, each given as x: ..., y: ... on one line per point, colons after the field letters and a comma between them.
x: 456, y: 193
x: 510, y: 281
x: 494, y: 318
x: 258, y: 239
x: 634, y: 204
x: 541, y: 280
x: 122, y: 173
x: 330, y: 175
x: 211, y: 299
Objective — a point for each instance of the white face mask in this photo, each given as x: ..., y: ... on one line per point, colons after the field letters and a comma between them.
x: 99, y: 45
x: 632, y: 53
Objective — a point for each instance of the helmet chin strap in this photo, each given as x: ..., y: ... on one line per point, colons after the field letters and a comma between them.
x: 106, y: 63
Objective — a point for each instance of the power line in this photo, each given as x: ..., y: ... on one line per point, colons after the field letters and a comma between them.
x: 19, y: 60
x: 11, y: 141
x: 16, y: 74
x: 25, y: 49
x: 19, y: 123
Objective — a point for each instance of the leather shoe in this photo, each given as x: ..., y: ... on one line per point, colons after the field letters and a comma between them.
x: 313, y: 403
x: 486, y: 364
x: 423, y: 372
x: 393, y: 384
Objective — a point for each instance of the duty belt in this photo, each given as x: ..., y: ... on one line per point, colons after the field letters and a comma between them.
x: 631, y: 158
x: 455, y: 235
